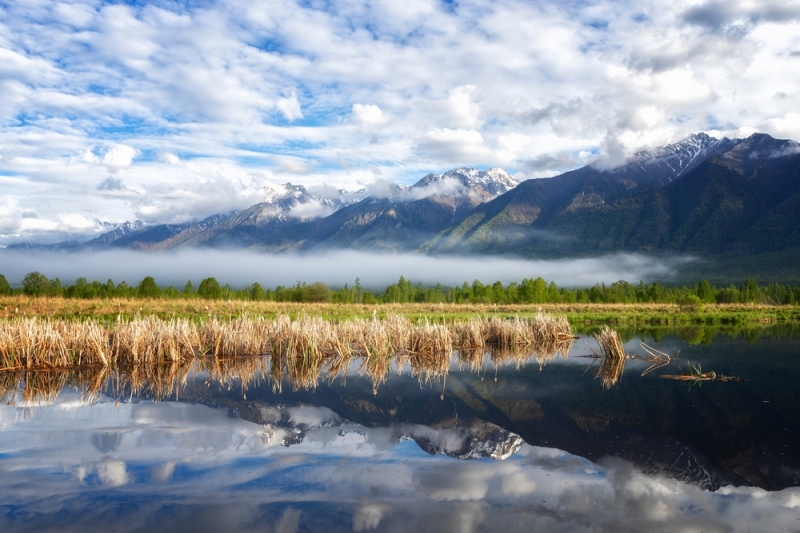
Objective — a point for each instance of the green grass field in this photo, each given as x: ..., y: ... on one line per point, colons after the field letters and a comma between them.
x: 578, y: 314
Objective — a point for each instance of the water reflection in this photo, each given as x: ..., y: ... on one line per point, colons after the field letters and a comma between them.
x: 161, y: 380
x: 705, y: 334
x: 239, y: 446
x: 184, y: 467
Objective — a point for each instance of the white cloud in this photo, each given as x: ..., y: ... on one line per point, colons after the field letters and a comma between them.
x: 457, y: 146
x: 785, y: 126
x: 444, y: 187
x: 464, y: 111
x: 114, y: 157
x: 290, y: 107
x: 169, y: 158
x: 514, y: 142
x: 369, y: 114
x: 311, y: 210
x: 119, y: 156
x: 292, y: 165
x: 10, y: 216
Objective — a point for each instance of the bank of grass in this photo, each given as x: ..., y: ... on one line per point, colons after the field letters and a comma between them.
x: 584, y: 314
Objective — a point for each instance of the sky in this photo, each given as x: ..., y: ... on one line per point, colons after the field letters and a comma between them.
x: 170, y: 111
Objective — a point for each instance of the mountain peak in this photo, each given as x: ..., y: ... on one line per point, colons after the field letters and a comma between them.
x: 670, y: 162
x: 492, y: 182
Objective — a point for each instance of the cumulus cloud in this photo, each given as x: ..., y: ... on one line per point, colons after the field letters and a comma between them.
x: 290, y: 107
x: 114, y: 157
x: 111, y: 184
x: 369, y: 114
x: 10, y: 216
x: 292, y: 165
x: 552, y: 161
x: 615, y: 154
x: 716, y: 14
x: 785, y: 126
x: 169, y: 158
x: 454, y: 146
x: 464, y: 111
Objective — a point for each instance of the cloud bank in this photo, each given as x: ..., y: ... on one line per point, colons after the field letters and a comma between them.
x: 239, y: 268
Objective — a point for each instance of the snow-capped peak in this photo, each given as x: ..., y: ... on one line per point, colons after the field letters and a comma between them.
x: 492, y: 182
x: 672, y: 161
x: 684, y: 155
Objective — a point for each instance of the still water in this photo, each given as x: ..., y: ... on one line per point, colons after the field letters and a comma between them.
x: 542, y: 446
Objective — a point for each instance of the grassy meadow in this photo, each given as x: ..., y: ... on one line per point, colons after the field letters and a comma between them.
x: 198, y: 309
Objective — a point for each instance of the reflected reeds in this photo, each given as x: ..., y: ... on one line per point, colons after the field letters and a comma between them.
x: 153, y: 358
x: 613, y: 357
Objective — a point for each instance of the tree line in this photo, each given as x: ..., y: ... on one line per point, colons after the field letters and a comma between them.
x: 404, y: 291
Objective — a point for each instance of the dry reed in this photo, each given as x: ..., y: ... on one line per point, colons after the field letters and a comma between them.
x: 613, y: 357
x: 151, y: 355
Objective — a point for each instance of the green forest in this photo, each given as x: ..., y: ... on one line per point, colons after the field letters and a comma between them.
x: 527, y: 291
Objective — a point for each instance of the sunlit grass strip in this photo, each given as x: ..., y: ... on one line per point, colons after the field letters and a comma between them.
x: 199, y: 310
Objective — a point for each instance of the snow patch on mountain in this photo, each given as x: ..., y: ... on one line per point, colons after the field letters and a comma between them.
x: 674, y: 160
x: 462, y: 182
x: 295, y: 201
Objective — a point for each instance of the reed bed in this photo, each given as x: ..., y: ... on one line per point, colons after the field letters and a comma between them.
x: 152, y: 355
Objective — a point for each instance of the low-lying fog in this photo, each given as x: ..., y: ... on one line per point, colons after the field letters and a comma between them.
x: 240, y: 268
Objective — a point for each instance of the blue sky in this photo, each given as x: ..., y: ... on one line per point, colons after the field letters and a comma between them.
x: 190, y: 108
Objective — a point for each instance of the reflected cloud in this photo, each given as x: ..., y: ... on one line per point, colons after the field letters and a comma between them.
x: 113, y: 473
x: 162, y: 472
x: 289, y: 522
x: 518, y: 484
x: 369, y: 516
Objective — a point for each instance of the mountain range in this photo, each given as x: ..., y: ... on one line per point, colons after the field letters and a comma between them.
x: 732, y: 201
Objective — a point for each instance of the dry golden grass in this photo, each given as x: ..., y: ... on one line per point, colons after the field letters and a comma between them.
x: 152, y: 356
x: 613, y: 357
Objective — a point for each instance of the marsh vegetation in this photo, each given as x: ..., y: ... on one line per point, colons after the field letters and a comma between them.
x: 301, y: 350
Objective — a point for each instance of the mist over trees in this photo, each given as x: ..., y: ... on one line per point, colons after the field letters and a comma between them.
x: 528, y: 291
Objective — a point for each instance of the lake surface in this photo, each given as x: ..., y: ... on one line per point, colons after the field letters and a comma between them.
x: 542, y: 446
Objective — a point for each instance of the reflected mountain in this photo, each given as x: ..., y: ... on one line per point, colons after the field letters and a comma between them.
x: 176, y: 466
